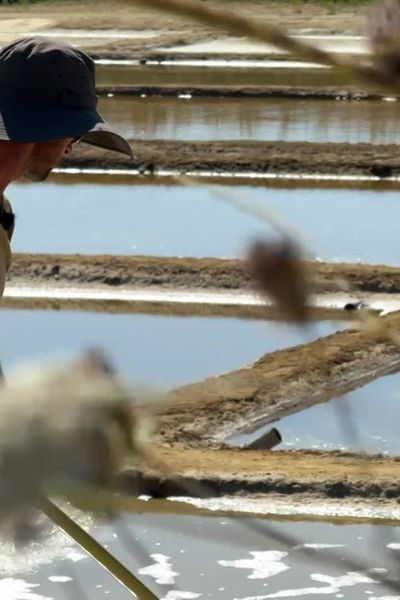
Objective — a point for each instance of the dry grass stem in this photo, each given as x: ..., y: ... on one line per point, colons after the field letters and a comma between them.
x: 240, y: 25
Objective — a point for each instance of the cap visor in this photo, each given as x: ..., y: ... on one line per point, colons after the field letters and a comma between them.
x: 104, y: 137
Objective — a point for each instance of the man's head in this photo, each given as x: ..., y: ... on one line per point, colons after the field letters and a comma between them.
x: 48, y: 100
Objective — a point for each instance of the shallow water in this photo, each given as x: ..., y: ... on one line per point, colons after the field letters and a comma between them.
x: 266, y: 119
x: 347, y: 225
x: 166, y: 351
x: 187, y: 557
x: 348, y: 44
x: 364, y: 420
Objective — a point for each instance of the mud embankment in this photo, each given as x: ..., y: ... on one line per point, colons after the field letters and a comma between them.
x: 197, y: 418
x: 233, y: 91
x: 186, y: 273
x: 280, y: 384
x: 230, y: 157
x: 183, y: 471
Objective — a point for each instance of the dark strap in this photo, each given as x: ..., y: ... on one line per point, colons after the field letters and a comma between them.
x: 7, y: 217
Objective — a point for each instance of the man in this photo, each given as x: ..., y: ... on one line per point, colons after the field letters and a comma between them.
x: 47, y: 102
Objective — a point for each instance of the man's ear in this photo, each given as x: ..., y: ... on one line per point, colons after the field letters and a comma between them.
x: 68, y: 149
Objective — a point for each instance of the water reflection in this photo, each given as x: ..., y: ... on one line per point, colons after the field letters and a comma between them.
x: 344, y: 225
x: 259, y: 119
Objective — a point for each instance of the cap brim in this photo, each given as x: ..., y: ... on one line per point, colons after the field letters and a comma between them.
x: 103, y: 136
x: 30, y: 123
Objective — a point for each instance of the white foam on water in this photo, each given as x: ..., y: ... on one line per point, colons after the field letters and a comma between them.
x: 334, y: 585
x: 323, y: 546
x: 75, y: 556
x: 274, y: 506
x: 393, y: 546
x: 177, y: 595
x: 52, y: 545
x: 161, y: 570
x: 384, y: 598
x: 19, y: 589
x: 263, y: 564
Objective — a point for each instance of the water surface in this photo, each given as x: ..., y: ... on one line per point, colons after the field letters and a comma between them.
x: 267, y: 119
x: 342, y: 225
x: 187, y: 557
x: 166, y: 351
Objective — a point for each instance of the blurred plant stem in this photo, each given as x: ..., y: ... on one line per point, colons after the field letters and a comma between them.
x: 96, y: 551
x: 237, y: 23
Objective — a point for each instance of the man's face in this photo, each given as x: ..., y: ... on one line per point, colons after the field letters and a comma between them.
x: 44, y: 157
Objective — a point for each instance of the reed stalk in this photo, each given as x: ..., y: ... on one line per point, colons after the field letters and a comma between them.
x: 96, y: 551
x: 238, y: 24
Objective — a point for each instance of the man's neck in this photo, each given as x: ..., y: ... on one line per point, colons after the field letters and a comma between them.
x: 13, y: 156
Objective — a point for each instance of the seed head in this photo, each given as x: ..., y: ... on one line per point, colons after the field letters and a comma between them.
x: 280, y: 274
x: 383, y: 33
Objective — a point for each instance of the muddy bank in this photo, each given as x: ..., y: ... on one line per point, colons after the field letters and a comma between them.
x: 186, y: 273
x: 178, y: 470
x: 116, y: 14
x: 232, y: 91
x: 246, y: 157
x: 280, y: 384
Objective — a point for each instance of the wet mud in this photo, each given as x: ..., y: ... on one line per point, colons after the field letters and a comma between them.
x: 186, y: 273
x: 280, y: 384
x: 237, y: 91
x: 230, y: 157
x: 220, y: 471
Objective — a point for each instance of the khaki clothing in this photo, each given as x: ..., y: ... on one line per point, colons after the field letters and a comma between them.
x: 6, y: 231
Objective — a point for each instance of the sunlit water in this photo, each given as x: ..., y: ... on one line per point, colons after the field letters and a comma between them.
x: 178, y: 557
x: 266, y: 119
x: 343, y: 225
x: 186, y: 557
